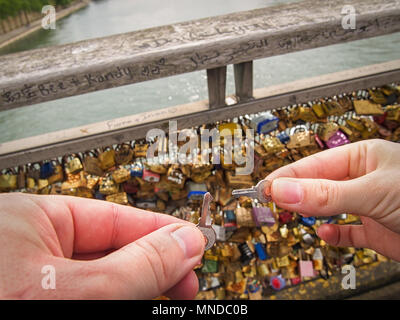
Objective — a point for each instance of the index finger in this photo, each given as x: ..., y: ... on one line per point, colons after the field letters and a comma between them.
x: 87, y: 225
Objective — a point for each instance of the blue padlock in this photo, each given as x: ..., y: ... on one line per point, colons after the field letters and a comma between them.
x: 260, y: 249
x: 137, y: 169
x: 308, y: 221
x: 229, y: 216
x: 46, y: 170
x: 264, y: 123
x: 283, y: 137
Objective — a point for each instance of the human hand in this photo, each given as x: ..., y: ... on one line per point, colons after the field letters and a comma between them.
x: 361, y: 178
x: 99, y: 250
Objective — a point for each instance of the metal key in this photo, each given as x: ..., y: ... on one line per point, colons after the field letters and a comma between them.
x: 255, y: 192
x: 205, y: 222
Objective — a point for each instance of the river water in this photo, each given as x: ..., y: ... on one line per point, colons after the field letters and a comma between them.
x: 107, y: 17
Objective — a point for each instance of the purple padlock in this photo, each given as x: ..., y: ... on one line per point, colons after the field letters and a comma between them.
x: 338, y: 139
x: 263, y: 216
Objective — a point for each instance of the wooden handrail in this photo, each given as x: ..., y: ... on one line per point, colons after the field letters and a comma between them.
x: 133, y: 127
x: 47, y: 74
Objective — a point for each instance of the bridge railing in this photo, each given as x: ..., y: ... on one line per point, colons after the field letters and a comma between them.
x: 210, y: 44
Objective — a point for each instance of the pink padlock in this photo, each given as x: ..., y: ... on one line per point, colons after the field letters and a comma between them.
x: 338, y: 139
x: 150, y: 176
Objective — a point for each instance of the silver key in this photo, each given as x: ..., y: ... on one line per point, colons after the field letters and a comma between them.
x: 205, y: 222
x: 255, y: 192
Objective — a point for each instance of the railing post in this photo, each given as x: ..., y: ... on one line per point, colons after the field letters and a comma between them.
x: 216, y: 79
x: 244, y: 80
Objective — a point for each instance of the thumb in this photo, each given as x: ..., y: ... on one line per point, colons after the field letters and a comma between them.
x: 151, y: 265
x: 321, y: 197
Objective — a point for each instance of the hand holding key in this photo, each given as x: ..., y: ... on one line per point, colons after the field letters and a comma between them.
x: 99, y: 250
x: 361, y: 178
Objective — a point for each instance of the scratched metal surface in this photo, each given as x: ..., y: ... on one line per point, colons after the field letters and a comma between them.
x: 28, y: 78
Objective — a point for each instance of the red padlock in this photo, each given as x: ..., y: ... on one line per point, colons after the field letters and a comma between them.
x: 150, y: 176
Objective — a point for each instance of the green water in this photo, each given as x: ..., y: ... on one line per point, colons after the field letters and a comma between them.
x: 107, y: 17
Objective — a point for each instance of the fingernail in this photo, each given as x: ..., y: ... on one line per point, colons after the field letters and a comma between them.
x: 186, y: 238
x: 287, y: 191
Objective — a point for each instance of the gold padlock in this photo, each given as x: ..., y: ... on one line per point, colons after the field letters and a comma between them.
x: 107, y: 158
x: 107, y: 185
x: 140, y: 150
x: 123, y: 154
x: 73, y: 165
x: 366, y: 107
x: 8, y: 181
x: 121, y: 175
x: 91, y: 164
x: 120, y: 198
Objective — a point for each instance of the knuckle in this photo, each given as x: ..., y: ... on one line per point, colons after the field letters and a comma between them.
x: 326, y: 195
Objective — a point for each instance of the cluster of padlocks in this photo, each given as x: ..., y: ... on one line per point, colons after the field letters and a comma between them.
x: 260, y: 247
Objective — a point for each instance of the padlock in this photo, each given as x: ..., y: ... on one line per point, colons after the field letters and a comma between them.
x: 337, y: 139
x: 285, y: 217
x: 306, y: 114
x: 264, y: 123
x: 158, y: 168
x: 46, y: 170
x: 196, y: 191
x: 123, y: 154
x: 107, y: 185
x: 262, y: 215
x: 277, y: 282
x: 366, y: 107
x: 120, y: 198
x: 376, y: 96
x: 244, y: 217
x: 8, y: 180
x: 176, y: 177
x: 140, y: 150
x: 121, y: 175
x: 84, y: 193
x: 261, y: 252
x: 91, y: 164
x: 272, y: 145
x: 319, y: 110
x: 136, y: 168
x: 130, y: 186
x: 246, y: 254
x: 229, y: 220
x: 72, y: 164
x: 283, y: 137
x: 107, y: 158
x: 306, y: 267
x: 91, y: 181
x: 307, y: 221
x: 74, y: 181
x: 42, y: 183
